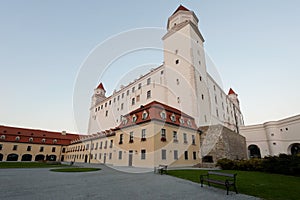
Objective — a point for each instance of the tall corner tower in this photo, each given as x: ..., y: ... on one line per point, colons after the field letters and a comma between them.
x: 99, y: 95
x: 184, y: 59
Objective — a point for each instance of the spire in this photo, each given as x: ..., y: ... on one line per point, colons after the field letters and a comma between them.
x: 231, y: 91
x: 100, y: 86
x: 181, y: 7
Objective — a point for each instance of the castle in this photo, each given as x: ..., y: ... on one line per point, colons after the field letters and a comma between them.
x: 176, y: 114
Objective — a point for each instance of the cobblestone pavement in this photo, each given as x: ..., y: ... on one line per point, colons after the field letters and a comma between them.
x: 106, y: 184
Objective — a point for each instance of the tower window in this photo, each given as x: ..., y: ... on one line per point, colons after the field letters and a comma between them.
x: 133, y: 89
x: 200, y: 78
x: 177, y: 61
x: 138, y: 98
x: 139, y: 86
x: 106, y: 113
x: 177, y: 81
x: 148, y: 94
x: 148, y: 81
x: 133, y: 101
x: 127, y: 93
x: 202, y: 96
x: 176, y: 51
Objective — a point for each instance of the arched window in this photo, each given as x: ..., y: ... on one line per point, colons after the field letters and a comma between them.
x: 12, y: 157
x: 295, y: 149
x: 254, y: 151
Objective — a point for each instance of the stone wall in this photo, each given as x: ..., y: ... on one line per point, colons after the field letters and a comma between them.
x: 219, y: 142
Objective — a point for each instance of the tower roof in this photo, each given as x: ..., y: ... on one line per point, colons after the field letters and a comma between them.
x: 231, y: 91
x: 181, y: 7
x: 100, y: 86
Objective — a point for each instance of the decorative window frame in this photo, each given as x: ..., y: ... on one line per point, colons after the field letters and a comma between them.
x: 173, y: 117
x: 163, y: 115
x: 134, y: 118
x: 181, y: 120
x: 144, y: 115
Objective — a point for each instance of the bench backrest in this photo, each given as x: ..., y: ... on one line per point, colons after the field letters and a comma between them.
x: 222, y: 174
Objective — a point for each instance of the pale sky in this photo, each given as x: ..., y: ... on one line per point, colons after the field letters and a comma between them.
x: 253, y: 44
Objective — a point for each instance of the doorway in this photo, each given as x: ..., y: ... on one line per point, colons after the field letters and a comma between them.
x: 130, y: 158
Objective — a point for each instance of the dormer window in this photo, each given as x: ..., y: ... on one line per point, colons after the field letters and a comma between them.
x: 30, y: 139
x: 181, y: 120
x: 54, y: 141
x: 43, y: 140
x: 145, y: 115
x: 2, y: 137
x: 173, y: 117
x: 163, y: 114
x: 134, y: 118
x: 124, y: 120
x: 17, y: 138
x: 189, y: 122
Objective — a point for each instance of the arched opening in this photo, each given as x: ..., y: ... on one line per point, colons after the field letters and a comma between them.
x: 39, y: 157
x: 254, y: 151
x: 85, y: 158
x: 294, y: 149
x: 51, y: 158
x: 26, y: 157
x: 1, y: 157
x: 12, y: 157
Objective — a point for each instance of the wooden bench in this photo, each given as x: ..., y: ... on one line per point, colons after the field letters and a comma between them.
x: 220, y: 178
x: 161, y: 169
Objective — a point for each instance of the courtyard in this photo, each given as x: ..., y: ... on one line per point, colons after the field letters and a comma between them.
x: 41, y: 183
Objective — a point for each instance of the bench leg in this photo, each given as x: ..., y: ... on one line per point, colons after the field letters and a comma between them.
x: 227, y: 188
x: 201, y: 181
x: 235, y: 189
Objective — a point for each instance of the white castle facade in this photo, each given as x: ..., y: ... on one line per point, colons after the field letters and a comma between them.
x: 182, y: 82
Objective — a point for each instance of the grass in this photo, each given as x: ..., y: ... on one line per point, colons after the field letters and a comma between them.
x: 75, y: 169
x: 259, y: 184
x: 28, y: 165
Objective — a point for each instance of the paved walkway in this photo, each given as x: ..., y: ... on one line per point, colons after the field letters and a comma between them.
x: 104, y: 184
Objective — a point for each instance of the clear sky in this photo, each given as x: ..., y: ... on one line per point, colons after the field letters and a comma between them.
x: 254, y: 44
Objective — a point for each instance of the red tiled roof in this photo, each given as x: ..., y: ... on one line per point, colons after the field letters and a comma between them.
x: 100, y: 86
x: 231, y: 91
x: 154, y: 110
x: 25, y: 135
x: 181, y: 7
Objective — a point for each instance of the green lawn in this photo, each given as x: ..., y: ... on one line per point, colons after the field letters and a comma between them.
x: 263, y: 185
x: 28, y: 165
x: 75, y: 169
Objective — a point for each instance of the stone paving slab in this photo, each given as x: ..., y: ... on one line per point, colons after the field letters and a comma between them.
x: 106, y: 184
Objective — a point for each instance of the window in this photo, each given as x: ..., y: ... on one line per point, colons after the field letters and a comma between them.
x: 178, y: 99
x: 144, y: 115
x: 194, y: 155
x: 100, y: 145
x: 177, y: 61
x: 131, y: 137
x: 92, y: 146
x: 148, y: 81
x: 101, y: 107
x: 200, y: 78
x: 118, y: 98
x: 133, y: 89
x: 193, y: 139
x: 105, y: 144
x: 140, y: 86
x: 120, y: 155
x: 207, y: 159
x: 17, y: 138
x: 127, y: 93
x: 186, y: 155
x: 133, y: 101
x: 163, y: 133
x: 53, y: 149
x: 143, y: 154
x: 114, y: 99
x: 214, y: 88
x: 121, y: 139
x: 100, y: 155
x: 175, y: 155
x: 162, y: 72
x: 111, y: 144
x: 216, y: 99
x: 184, y: 138
x: 217, y: 112
x: 143, y: 135
x: 138, y: 98
x: 175, y: 136
x: 163, y: 154
x: 148, y: 94
x: 122, y: 95
x: 96, y: 146
x: 1, y: 146
x: 28, y: 148
x: 177, y: 81
x: 109, y: 102
x: 163, y: 115
x: 122, y: 105
x: 15, y: 147
x: 202, y: 96
x: 110, y: 156
x: 106, y: 113
x: 105, y: 104
x: 87, y: 146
